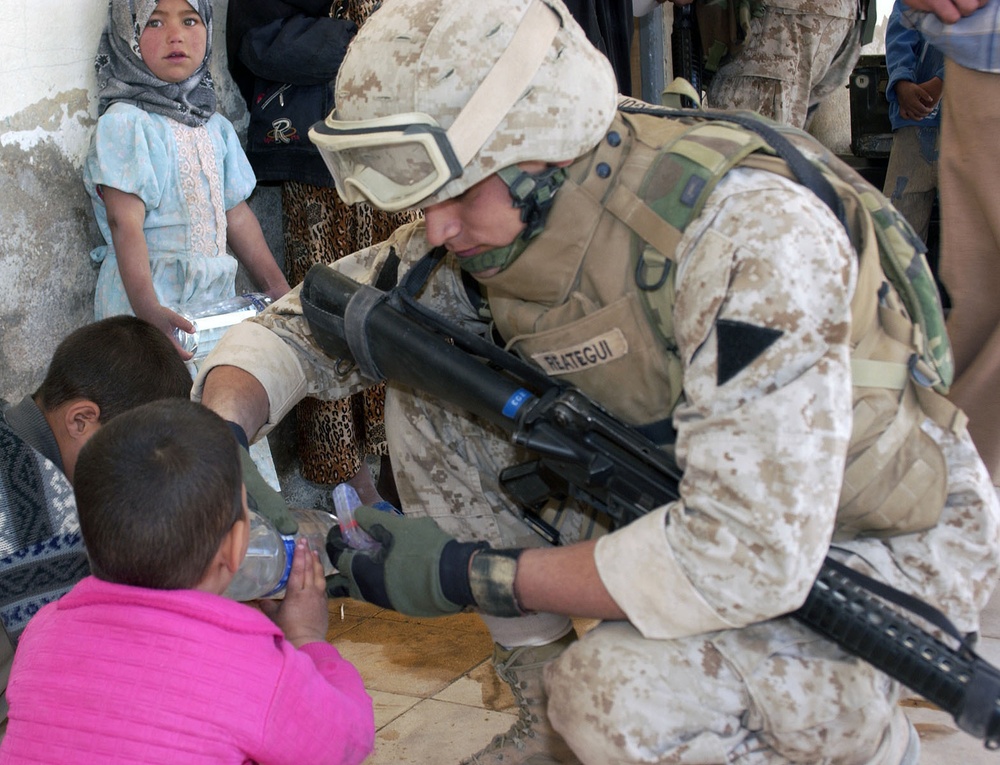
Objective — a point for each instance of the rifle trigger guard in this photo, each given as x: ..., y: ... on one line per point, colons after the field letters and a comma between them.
x: 359, y: 307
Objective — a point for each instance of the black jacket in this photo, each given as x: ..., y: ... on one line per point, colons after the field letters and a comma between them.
x: 271, y: 43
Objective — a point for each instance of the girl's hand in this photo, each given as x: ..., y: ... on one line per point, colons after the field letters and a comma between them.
x: 244, y: 236
x: 303, y: 614
x: 166, y: 321
x: 276, y: 291
x: 177, y: 321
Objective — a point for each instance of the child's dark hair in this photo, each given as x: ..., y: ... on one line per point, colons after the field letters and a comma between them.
x: 157, y: 489
x: 118, y: 363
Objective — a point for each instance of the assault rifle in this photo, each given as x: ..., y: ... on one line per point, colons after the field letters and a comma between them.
x: 584, y: 453
x: 686, y: 49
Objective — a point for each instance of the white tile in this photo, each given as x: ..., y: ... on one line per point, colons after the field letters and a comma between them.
x: 410, y: 658
x: 480, y: 687
x: 437, y: 732
x: 389, y: 706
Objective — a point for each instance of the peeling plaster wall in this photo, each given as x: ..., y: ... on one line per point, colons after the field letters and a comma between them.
x: 47, y: 227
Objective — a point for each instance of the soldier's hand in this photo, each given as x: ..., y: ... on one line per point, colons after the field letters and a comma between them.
x: 417, y: 569
x: 420, y: 570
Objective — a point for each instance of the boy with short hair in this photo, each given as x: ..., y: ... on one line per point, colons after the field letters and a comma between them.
x: 97, y: 372
x: 146, y: 660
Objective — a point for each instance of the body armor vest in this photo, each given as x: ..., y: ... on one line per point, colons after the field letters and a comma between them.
x: 602, y: 322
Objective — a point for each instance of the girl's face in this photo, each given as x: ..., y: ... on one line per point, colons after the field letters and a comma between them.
x: 174, y: 42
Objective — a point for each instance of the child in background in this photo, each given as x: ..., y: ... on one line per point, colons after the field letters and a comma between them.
x: 916, y: 77
x: 145, y: 661
x: 167, y: 174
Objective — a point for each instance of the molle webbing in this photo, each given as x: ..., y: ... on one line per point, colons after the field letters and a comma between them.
x: 901, y: 361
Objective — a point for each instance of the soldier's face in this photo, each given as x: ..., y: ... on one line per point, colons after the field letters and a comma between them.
x: 483, y: 218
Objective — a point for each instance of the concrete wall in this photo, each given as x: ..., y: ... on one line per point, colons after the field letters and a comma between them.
x: 46, y: 223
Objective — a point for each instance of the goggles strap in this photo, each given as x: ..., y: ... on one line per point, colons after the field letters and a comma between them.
x: 534, y: 195
x: 506, y: 82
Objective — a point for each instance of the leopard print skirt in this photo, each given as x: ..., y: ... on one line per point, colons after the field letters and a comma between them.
x: 334, y: 436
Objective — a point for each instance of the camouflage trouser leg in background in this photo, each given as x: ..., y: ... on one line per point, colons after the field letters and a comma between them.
x: 789, y: 63
x: 446, y: 464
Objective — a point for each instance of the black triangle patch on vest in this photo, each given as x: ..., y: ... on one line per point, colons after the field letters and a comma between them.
x: 739, y: 344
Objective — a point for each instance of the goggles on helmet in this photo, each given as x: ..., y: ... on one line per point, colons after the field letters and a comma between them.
x: 392, y: 162
x: 397, y: 161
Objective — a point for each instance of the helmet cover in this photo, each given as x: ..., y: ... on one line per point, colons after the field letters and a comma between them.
x: 430, y: 56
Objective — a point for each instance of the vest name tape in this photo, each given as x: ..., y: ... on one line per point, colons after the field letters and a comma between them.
x: 590, y: 353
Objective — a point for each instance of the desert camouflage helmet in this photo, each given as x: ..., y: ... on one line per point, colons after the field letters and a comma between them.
x: 551, y: 97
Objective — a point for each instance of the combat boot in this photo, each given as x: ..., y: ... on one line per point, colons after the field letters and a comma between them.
x: 531, y: 740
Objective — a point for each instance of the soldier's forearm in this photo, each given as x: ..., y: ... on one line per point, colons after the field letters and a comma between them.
x: 564, y: 580
x: 237, y: 396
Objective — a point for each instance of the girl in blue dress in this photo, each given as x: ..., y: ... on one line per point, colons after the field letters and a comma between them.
x: 167, y: 174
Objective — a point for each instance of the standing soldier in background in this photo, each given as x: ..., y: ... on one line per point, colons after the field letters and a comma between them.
x: 790, y: 55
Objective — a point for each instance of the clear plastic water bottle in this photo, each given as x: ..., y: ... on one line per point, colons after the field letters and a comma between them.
x: 345, y: 500
x: 268, y: 562
x: 211, y: 319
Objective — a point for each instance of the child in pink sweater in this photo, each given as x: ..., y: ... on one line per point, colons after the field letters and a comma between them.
x: 145, y: 661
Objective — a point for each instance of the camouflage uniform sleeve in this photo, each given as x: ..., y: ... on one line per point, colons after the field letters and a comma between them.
x: 277, y: 348
x: 762, y: 319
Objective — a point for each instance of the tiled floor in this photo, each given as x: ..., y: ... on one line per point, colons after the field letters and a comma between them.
x: 438, y: 700
x: 436, y: 696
